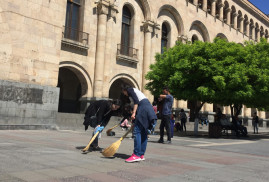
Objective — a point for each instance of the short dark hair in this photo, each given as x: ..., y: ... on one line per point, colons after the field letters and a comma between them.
x: 126, y: 87
x: 116, y: 102
x: 166, y: 88
x: 182, y: 110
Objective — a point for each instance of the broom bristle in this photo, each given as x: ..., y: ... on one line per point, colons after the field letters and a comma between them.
x: 112, y: 149
x: 108, y: 131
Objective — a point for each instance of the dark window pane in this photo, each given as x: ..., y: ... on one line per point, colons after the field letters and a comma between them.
x: 125, y: 32
x: 126, y: 12
x: 126, y: 20
x: 164, y: 40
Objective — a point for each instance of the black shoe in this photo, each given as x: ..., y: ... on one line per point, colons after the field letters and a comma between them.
x: 167, y: 142
x: 160, y: 141
x: 96, y: 148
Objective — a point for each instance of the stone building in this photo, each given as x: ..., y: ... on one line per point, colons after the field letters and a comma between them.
x: 58, y: 55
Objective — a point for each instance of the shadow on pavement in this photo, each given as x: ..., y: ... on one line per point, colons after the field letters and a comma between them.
x: 204, y: 134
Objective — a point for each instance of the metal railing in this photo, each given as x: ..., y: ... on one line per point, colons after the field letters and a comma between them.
x: 127, y: 51
x: 75, y: 35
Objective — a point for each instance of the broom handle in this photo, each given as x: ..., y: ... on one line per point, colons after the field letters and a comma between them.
x: 114, y: 126
x: 93, y: 138
x: 127, y: 133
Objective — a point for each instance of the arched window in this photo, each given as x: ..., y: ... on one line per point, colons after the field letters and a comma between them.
x: 164, y: 37
x: 125, y: 32
x: 194, y: 38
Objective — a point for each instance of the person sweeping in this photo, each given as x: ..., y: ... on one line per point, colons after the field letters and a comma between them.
x: 98, y: 115
x: 143, y: 117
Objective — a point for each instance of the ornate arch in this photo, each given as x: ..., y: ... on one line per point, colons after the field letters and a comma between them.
x: 146, y: 10
x: 201, y: 28
x: 175, y: 13
x: 222, y: 36
x: 82, y: 74
x: 124, y: 76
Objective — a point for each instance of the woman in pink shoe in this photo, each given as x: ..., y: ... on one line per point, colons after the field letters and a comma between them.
x: 144, y: 117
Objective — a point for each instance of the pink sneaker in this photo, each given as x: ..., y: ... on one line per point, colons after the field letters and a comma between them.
x: 133, y: 158
x: 142, y: 158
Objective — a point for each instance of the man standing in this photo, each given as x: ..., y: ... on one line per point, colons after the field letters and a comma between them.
x: 166, y: 115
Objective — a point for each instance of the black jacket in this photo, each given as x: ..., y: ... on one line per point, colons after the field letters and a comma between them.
x: 102, y: 109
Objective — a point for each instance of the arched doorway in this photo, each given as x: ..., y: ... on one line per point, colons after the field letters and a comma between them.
x: 116, y: 86
x: 115, y: 90
x: 70, y: 91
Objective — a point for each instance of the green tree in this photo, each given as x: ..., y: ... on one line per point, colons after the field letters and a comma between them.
x: 220, y: 72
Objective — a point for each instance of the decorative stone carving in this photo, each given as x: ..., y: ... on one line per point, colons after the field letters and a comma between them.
x: 182, y: 38
x: 150, y: 26
x: 107, y: 7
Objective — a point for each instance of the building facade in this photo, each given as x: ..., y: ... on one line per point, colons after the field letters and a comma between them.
x: 58, y: 55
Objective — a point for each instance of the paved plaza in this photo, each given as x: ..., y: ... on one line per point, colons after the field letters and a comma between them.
x: 50, y: 155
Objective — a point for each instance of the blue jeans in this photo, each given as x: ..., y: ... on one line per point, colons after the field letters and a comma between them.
x: 140, y: 139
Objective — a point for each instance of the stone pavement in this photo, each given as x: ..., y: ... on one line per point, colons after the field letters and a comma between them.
x: 45, y: 155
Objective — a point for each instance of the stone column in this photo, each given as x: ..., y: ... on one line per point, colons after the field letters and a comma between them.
x: 148, y: 28
x: 262, y: 116
x: 102, y: 11
x: 213, y: 8
x: 247, y: 115
x: 221, y: 12
x: 182, y: 104
x: 228, y: 16
x: 241, y: 20
x: 195, y: 2
x: 209, y: 109
x: 235, y: 20
x: 205, y: 5
x: 108, y: 49
x: 258, y: 35
x: 227, y: 110
x: 247, y: 28
x: 252, y: 32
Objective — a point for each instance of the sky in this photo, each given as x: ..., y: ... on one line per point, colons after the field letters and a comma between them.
x: 263, y: 5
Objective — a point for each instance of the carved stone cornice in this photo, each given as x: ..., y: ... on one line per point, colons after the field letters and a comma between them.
x: 228, y: 10
x: 221, y: 5
x: 150, y: 26
x: 182, y: 38
x: 107, y: 7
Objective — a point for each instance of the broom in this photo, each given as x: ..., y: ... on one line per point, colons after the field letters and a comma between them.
x: 110, y: 129
x: 92, y: 139
x: 112, y: 149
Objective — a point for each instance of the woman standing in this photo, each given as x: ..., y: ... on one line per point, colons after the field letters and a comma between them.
x: 144, y: 117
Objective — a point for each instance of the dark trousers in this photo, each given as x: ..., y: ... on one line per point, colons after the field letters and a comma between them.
x: 183, y: 123
x: 165, y: 123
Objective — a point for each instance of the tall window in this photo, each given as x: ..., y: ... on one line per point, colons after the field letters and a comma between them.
x: 125, y: 34
x: 194, y: 38
x: 164, y: 37
x: 72, y: 22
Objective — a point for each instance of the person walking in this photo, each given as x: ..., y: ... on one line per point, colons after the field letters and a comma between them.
x: 98, y: 115
x: 255, y: 122
x: 143, y: 116
x: 166, y: 115
x: 183, y: 119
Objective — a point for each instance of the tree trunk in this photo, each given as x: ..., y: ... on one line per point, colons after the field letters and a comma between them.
x: 236, y: 109
x: 195, y: 107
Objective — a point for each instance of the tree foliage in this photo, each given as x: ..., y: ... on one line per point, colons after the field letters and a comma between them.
x: 220, y: 72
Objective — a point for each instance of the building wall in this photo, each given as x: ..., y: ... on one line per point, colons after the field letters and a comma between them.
x: 32, y: 47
